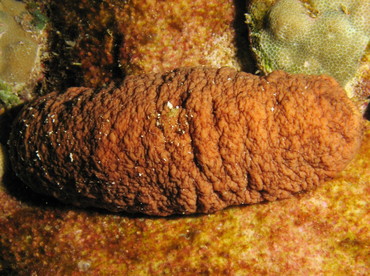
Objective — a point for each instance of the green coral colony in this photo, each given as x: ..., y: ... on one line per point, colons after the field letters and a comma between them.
x: 311, y: 37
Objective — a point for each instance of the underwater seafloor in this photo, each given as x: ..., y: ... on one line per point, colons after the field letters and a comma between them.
x: 321, y: 232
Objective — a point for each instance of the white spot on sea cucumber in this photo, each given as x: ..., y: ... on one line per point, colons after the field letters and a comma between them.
x: 272, y: 109
x: 71, y: 156
x: 38, y: 155
x: 169, y: 105
x: 59, y: 186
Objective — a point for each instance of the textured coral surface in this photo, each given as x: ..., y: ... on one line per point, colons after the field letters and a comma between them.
x: 325, y: 231
x: 311, y: 37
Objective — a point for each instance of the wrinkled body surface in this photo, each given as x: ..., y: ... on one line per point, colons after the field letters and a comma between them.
x: 187, y: 141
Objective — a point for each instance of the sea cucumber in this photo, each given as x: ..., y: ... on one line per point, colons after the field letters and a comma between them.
x: 192, y: 140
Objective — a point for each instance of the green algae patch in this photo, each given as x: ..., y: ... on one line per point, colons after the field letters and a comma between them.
x: 7, y: 97
x: 39, y: 19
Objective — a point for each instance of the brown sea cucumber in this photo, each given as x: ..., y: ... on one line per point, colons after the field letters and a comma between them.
x: 193, y: 140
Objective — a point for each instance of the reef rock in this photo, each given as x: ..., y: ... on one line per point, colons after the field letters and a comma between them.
x: 324, y: 231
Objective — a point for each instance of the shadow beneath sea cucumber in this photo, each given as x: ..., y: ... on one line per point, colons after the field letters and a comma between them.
x: 10, y: 182
x: 367, y: 111
x: 6, y: 121
x: 21, y: 192
x: 25, y: 195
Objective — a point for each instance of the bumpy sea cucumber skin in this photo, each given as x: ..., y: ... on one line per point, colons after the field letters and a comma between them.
x: 193, y: 140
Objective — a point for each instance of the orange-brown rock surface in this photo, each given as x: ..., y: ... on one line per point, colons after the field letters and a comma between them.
x: 95, y: 41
